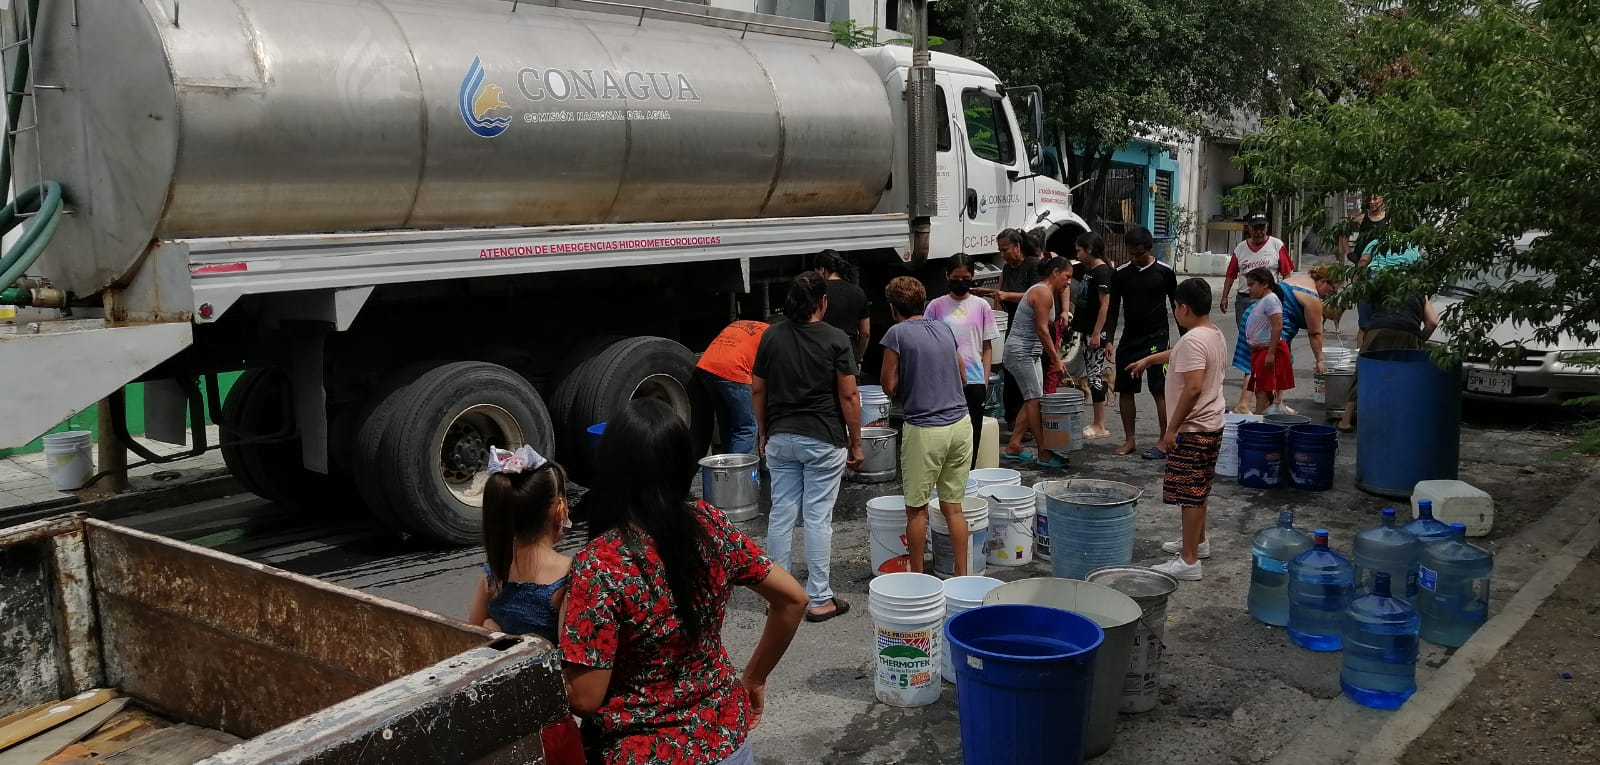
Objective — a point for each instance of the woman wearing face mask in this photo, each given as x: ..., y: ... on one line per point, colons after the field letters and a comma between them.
x: 972, y: 321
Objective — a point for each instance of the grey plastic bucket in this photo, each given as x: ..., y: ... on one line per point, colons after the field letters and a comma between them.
x: 1116, y: 613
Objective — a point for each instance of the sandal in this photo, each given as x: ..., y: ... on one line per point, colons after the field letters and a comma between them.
x: 1154, y: 454
x: 1056, y: 461
x: 840, y: 608
x: 1024, y: 456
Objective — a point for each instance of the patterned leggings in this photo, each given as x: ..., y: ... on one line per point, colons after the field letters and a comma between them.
x: 1095, y: 367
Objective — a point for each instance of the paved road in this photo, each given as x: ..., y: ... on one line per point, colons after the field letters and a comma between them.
x: 1233, y: 690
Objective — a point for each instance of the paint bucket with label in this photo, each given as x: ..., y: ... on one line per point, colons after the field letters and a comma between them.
x: 1228, y: 455
x: 963, y: 593
x: 1011, y: 513
x: 1150, y: 589
x: 886, y: 529
x: 908, y: 638
x: 976, y: 512
x: 1041, y: 520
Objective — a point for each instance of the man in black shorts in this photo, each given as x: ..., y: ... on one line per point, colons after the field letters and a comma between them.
x: 1143, y: 292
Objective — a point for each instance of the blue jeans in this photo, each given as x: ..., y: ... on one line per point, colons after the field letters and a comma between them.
x: 805, y: 477
x: 736, y: 414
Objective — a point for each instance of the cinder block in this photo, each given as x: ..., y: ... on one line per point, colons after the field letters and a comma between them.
x: 1457, y: 502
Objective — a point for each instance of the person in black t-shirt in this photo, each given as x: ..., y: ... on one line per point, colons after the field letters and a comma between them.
x: 1373, y: 219
x: 847, y: 302
x: 1092, y: 320
x: 808, y: 426
x: 1143, y: 292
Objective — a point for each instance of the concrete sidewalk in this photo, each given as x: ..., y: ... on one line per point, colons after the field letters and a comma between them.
x: 25, y: 478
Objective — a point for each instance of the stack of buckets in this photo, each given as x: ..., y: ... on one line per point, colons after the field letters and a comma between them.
x: 1063, y: 414
x: 1002, y: 322
x: 1011, y: 524
x: 874, y: 406
x: 961, y: 594
x: 1271, y: 453
x: 908, y: 612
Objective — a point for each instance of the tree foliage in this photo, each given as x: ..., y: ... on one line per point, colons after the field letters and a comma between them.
x: 1479, y: 123
x: 1112, y: 70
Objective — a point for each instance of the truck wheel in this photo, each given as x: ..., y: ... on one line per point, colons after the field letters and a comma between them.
x: 259, y: 405
x: 435, y: 446
x: 638, y: 367
x: 371, y: 424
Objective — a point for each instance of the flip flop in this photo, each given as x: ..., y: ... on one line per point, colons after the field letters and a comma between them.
x: 1055, y: 462
x: 840, y: 608
x: 1023, y: 457
x: 1154, y: 454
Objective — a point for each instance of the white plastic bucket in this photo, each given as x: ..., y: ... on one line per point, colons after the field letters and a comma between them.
x: 977, y: 514
x: 1011, y: 525
x: 982, y: 477
x: 886, y: 529
x: 874, y: 406
x: 962, y: 593
x: 70, y: 457
x: 908, y: 637
x: 989, y: 445
x: 1228, y: 454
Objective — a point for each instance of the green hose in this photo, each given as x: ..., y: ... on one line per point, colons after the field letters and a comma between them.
x: 42, y: 202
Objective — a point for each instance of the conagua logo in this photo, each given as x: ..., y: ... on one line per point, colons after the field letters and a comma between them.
x: 483, y: 105
x: 570, y: 95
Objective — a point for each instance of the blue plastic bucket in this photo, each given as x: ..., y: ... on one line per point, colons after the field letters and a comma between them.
x: 1410, y: 422
x: 1261, y: 447
x: 1091, y: 525
x: 1025, y: 674
x: 595, y: 432
x: 1312, y: 449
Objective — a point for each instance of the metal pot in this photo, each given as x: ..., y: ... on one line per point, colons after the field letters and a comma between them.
x: 732, y: 483
x: 882, y: 456
x: 1341, y: 381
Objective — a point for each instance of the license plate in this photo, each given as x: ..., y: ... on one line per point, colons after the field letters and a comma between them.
x: 1490, y: 381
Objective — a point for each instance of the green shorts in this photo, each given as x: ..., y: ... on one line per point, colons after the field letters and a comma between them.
x: 932, y: 457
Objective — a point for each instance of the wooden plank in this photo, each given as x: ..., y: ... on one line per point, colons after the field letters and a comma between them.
x: 178, y: 745
x: 15, y: 716
x: 44, y: 746
x: 53, y: 715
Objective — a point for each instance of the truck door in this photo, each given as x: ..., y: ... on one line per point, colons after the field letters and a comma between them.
x: 992, y: 201
x: 947, y: 227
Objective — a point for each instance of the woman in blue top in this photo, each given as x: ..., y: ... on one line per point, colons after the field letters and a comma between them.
x: 1302, y: 296
x: 524, y: 513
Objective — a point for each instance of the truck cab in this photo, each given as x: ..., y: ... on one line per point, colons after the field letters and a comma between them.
x: 991, y: 177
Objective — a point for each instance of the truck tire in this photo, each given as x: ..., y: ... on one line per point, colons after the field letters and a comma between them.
x: 372, y: 423
x: 258, y: 405
x: 600, y: 386
x: 435, y: 444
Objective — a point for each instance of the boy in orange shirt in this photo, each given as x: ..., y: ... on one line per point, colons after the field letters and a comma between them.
x: 724, y: 370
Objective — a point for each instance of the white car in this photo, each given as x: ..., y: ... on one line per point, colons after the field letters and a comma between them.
x: 1543, y: 373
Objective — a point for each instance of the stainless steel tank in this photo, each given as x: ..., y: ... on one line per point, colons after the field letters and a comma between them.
x: 189, y: 118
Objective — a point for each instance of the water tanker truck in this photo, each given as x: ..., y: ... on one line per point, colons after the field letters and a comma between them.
x: 429, y: 226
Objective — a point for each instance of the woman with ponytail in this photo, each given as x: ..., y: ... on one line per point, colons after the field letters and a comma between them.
x: 642, y: 630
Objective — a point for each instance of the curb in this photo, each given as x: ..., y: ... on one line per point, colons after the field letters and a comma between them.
x: 199, y: 486
x: 1414, y: 719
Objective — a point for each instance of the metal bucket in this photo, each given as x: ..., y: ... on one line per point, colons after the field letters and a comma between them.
x: 732, y: 483
x: 1091, y: 525
x: 881, y: 462
x: 1116, y: 613
x: 1149, y: 588
x: 1340, y: 382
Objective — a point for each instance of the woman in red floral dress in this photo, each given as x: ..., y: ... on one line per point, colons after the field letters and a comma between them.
x: 642, y: 629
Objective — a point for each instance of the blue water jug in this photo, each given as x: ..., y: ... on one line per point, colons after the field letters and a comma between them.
x: 1425, y: 527
x: 1453, y: 588
x: 1272, y: 548
x: 1386, y: 548
x: 1320, y: 583
x: 1380, y: 648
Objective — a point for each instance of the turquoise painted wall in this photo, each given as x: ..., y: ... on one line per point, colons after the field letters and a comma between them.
x: 1153, y: 157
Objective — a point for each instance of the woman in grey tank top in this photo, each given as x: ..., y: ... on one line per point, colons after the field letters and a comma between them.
x: 1024, y: 350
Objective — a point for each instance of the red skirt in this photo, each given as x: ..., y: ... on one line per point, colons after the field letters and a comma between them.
x: 1279, y: 377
